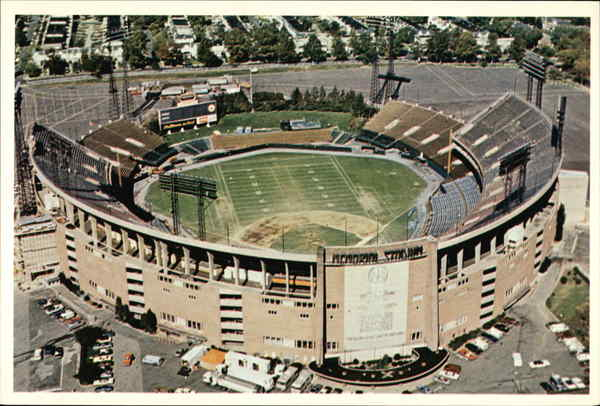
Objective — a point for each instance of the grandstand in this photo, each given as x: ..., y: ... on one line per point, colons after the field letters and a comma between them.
x: 279, y: 137
x: 124, y: 143
x: 413, y: 128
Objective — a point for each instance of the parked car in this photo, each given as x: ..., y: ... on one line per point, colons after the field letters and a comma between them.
x: 451, y: 371
x: 337, y: 390
x: 108, y: 333
x: 473, y: 348
x: 128, y: 359
x: 106, y: 374
x: 424, y: 389
x: 54, y: 309
x: 441, y: 379
x: 38, y: 355
x: 101, y: 346
x: 540, y: 363
x: 48, y: 350
x: 316, y: 388
x: 326, y: 389
x: 489, y: 337
x: 180, y: 351
x: 73, y: 326
x: 466, y: 354
x: 104, y: 388
x: 502, y: 327
x: 59, y: 352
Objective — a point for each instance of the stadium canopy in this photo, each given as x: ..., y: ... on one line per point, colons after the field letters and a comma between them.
x: 124, y: 143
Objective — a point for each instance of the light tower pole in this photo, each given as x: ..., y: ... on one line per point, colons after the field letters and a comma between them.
x: 252, y: 70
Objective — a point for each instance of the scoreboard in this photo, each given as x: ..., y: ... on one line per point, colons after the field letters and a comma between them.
x: 189, y: 115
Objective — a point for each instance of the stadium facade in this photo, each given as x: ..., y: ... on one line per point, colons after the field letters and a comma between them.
x: 487, y: 231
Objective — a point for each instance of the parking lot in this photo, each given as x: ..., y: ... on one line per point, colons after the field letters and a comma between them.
x: 494, y: 371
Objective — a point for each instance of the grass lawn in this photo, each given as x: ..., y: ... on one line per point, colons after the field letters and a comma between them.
x: 262, y: 120
x: 570, y: 302
x: 267, y: 192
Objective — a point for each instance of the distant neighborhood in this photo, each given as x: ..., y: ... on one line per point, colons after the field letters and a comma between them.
x: 59, y: 45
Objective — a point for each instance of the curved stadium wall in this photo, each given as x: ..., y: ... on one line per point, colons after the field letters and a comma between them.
x: 349, y: 302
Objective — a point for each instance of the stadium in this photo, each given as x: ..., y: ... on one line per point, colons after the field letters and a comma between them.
x: 317, y: 245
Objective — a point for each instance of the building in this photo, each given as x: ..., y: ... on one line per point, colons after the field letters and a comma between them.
x: 484, y: 235
x: 574, y: 195
x: 183, y: 35
x: 35, y: 247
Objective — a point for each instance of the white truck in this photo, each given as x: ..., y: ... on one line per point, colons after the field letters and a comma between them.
x: 193, y: 355
x: 214, y: 378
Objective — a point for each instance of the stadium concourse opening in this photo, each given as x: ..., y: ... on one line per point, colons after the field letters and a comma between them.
x: 423, y: 362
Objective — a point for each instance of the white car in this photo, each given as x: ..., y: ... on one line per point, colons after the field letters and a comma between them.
x: 37, y: 355
x: 540, y: 363
x: 578, y: 382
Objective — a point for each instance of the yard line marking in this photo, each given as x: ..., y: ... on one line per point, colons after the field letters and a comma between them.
x: 346, y: 179
x: 225, y: 186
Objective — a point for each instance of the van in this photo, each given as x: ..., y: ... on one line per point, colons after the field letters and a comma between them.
x: 287, y: 378
x: 154, y: 360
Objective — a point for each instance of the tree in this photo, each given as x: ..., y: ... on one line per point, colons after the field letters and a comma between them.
x: 517, y: 49
x: 286, y: 48
x: 438, y: 47
x: 55, y: 65
x: 238, y: 46
x: 363, y: 48
x: 492, y: 49
x: 296, y: 98
x: 466, y: 47
x: 32, y: 70
x: 313, y: 50
x: 150, y: 322
x: 560, y: 222
x: 121, y: 311
x: 339, y: 50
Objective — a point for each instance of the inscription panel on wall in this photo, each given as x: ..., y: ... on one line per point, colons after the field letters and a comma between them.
x: 375, y: 305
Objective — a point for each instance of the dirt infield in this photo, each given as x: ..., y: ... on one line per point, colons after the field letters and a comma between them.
x: 267, y: 230
x: 280, y: 137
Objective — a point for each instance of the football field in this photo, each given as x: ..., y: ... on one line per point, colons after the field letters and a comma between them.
x: 265, y: 196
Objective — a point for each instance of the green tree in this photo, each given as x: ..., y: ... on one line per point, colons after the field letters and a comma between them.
x: 55, y: 65
x: 32, y: 70
x: 339, y: 50
x: 286, y: 48
x: 296, y: 98
x: 363, y: 48
x: 438, y: 47
x: 517, y: 49
x: 150, y: 322
x: 134, y: 50
x: 492, y: 49
x: 313, y: 50
x: 238, y: 46
x: 466, y: 47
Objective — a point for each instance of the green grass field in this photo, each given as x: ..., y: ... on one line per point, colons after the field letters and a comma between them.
x: 570, y: 302
x: 262, y: 120
x: 312, y: 198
